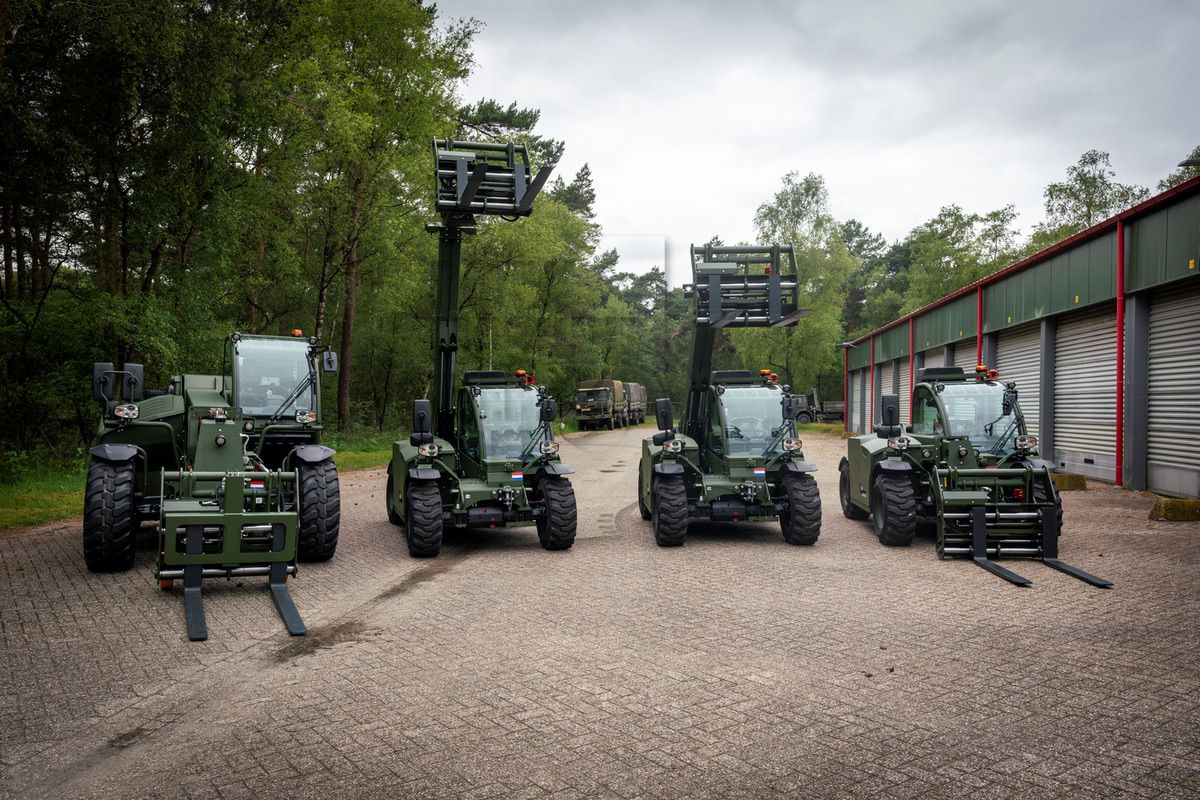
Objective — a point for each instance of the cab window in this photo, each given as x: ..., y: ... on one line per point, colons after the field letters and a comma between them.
x: 925, y: 415
x: 716, y: 434
x: 469, y: 429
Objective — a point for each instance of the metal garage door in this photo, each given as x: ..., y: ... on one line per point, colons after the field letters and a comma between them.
x: 964, y: 355
x: 1173, y: 404
x: 1085, y: 394
x: 905, y: 391
x: 1019, y: 357
x: 864, y: 402
x: 854, y: 411
x: 935, y: 357
x: 883, y: 374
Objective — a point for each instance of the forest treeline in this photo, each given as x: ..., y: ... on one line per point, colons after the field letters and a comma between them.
x: 174, y: 170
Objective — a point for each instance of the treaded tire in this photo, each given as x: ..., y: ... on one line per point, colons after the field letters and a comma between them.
x: 109, y: 522
x: 611, y: 424
x: 801, y: 525
x: 320, y: 507
x: 645, y: 512
x: 849, y: 510
x: 392, y: 516
x: 423, y: 528
x: 556, y: 528
x: 670, y: 512
x: 894, y: 510
x: 1039, y: 496
x: 804, y: 419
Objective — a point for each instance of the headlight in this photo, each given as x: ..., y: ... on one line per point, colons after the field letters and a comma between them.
x: 548, y: 448
x: 673, y: 446
x: 429, y: 450
x: 218, y: 413
x: 792, y: 445
x: 305, y: 416
x: 127, y: 411
x: 899, y: 443
x: 1026, y: 442
x: 577, y: 406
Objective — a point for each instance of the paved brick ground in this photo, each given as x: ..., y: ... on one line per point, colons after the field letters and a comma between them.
x: 735, y: 667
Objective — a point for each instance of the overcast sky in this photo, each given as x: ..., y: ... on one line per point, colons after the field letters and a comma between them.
x: 690, y: 113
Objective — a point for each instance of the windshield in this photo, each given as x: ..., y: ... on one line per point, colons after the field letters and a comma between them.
x: 266, y: 371
x: 508, y: 419
x: 593, y: 396
x: 753, y: 417
x: 976, y: 410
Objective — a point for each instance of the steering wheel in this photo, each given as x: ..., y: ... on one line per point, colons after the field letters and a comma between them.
x: 752, y: 425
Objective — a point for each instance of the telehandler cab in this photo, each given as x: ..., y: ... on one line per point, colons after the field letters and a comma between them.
x: 966, y: 466
x: 231, y: 466
x: 737, y: 457
x: 488, y: 459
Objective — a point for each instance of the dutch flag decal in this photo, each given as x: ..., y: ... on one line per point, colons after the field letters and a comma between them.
x: 518, y: 476
x: 760, y: 472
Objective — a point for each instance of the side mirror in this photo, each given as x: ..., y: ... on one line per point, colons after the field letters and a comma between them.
x: 549, y: 409
x: 102, y: 379
x: 663, y: 415
x: 889, y: 417
x: 422, y: 415
x: 1006, y: 406
x: 329, y: 361
x: 791, y: 407
x: 133, y: 384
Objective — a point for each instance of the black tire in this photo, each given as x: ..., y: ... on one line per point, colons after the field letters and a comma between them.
x: 556, y: 527
x: 801, y: 524
x: 645, y: 512
x: 109, y: 520
x: 849, y: 510
x: 392, y: 516
x: 423, y: 527
x: 804, y: 419
x: 612, y: 424
x: 669, y: 514
x: 320, y: 508
x: 1039, y: 496
x: 894, y: 510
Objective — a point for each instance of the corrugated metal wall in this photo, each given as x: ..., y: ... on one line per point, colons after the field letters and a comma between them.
x: 1085, y: 394
x: 1019, y: 359
x: 905, y: 390
x: 864, y: 402
x: 935, y: 357
x: 1173, y: 396
x: 965, y: 355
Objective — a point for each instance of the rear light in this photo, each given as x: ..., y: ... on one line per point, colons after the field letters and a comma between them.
x: 1018, y: 494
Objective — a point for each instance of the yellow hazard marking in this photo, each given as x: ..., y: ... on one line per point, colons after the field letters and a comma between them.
x: 1191, y: 263
x: 1076, y: 298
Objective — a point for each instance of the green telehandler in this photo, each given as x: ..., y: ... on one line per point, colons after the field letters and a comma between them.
x: 738, y: 457
x: 231, y: 466
x: 484, y: 455
x: 965, y: 466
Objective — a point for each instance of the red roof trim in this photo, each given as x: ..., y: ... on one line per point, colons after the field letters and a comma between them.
x: 1151, y: 204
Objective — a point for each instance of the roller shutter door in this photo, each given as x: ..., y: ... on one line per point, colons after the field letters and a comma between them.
x: 1173, y: 406
x: 1019, y: 358
x: 855, y: 410
x: 905, y: 392
x: 864, y: 413
x: 883, y: 376
x: 1085, y: 395
x: 964, y: 355
x: 935, y: 357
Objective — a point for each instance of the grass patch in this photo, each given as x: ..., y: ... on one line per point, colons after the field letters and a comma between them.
x: 830, y: 428
x: 42, y: 495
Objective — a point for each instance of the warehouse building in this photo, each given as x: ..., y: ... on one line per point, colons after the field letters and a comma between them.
x: 1101, y: 333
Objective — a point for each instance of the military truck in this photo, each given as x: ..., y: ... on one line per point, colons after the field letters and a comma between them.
x: 812, y: 409
x: 601, y: 404
x: 481, y: 455
x: 965, y: 467
x: 735, y: 456
x: 231, y: 467
x: 636, y: 395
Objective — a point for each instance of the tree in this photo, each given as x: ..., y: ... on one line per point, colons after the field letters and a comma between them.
x: 1182, y: 173
x: 956, y: 248
x: 1089, y: 195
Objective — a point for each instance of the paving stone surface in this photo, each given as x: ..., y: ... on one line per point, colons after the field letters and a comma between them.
x: 736, y: 666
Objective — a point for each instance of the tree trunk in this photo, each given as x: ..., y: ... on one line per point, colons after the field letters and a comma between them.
x: 346, y: 358
x: 8, y: 228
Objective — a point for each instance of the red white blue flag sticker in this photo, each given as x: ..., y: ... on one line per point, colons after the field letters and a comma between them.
x: 760, y: 472
x: 518, y: 476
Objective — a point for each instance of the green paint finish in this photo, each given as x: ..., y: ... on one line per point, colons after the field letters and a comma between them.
x: 947, y: 323
x: 1079, y: 277
x: 860, y: 356
x: 1164, y: 246
x: 892, y: 343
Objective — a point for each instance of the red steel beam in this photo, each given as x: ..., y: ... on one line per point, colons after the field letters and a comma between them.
x: 979, y: 325
x: 872, y: 425
x: 845, y: 398
x: 1120, y: 432
x: 910, y: 370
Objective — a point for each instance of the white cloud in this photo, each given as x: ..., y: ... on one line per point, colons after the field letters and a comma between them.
x: 690, y: 114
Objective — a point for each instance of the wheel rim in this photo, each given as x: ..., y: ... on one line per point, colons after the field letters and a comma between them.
x: 844, y: 489
x: 878, y: 513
